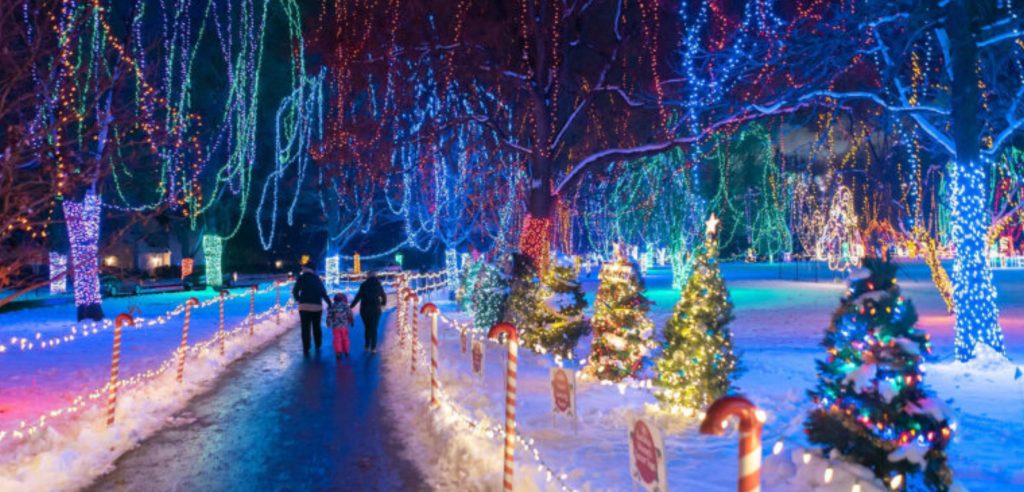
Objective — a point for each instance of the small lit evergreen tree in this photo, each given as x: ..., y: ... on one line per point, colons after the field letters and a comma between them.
x: 490, y: 295
x: 467, y: 282
x: 547, y: 312
x: 622, y: 332
x: 871, y: 402
x: 697, y: 364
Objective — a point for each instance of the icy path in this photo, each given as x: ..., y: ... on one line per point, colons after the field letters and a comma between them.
x: 276, y: 421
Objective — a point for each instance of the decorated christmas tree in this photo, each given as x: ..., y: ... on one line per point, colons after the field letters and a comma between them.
x: 622, y: 331
x: 697, y: 364
x: 467, y: 281
x: 490, y: 295
x: 566, y: 303
x: 548, y: 313
x: 871, y: 402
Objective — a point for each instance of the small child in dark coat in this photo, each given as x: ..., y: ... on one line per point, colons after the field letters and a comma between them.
x: 339, y: 318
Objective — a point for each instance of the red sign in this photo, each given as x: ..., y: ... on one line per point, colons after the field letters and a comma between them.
x: 478, y: 357
x: 462, y: 340
x: 560, y: 389
x: 646, y: 456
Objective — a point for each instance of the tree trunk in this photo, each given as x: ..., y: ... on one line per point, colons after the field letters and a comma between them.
x: 974, y: 295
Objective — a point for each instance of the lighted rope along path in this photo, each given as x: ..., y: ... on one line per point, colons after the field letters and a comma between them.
x: 78, y: 331
x: 85, y: 400
x: 454, y: 411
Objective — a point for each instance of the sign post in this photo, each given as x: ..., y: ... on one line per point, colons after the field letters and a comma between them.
x: 563, y: 394
x: 477, y: 356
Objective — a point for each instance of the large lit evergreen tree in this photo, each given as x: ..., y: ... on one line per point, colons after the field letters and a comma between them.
x: 697, y: 364
x: 622, y: 332
x: 871, y: 402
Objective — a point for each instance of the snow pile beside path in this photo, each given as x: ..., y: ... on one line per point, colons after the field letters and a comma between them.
x: 73, y: 455
x: 456, y: 448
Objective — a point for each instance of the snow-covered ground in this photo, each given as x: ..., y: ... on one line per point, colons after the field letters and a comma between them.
x: 778, y: 327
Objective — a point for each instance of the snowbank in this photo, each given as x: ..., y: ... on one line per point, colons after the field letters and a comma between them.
x: 71, y: 455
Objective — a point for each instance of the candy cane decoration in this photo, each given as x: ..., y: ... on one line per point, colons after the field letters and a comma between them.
x: 751, y: 422
x: 115, y: 362
x: 510, y: 394
x: 431, y: 310
x: 252, y: 310
x: 411, y: 299
x: 220, y: 330
x: 401, y: 317
x: 192, y: 301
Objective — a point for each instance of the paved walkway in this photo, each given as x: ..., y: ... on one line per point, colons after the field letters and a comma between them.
x: 276, y: 421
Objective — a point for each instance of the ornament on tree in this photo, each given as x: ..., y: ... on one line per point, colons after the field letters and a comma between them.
x: 490, y: 294
x: 871, y: 402
x: 547, y: 311
x: 622, y: 332
x: 697, y: 364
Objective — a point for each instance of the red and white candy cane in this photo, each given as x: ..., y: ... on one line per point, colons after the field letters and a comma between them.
x: 510, y: 394
x: 115, y: 363
x: 411, y: 299
x: 751, y: 423
x: 401, y: 316
x: 431, y: 310
x: 252, y: 310
x: 192, y: 301
x: 220, y: 330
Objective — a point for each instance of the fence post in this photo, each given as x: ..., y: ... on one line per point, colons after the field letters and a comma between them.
x: 512, y: 339
x: 220, y: 329
x: 252, y: 310
x: 115, y: 362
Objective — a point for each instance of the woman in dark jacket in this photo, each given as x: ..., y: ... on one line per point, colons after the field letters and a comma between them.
x: 308, y: 291
x: 371, y: 298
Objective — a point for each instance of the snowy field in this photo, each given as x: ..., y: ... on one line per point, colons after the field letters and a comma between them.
x: 779, y: 324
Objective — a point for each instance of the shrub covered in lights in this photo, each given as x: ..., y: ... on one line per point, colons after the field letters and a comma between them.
x: 547, y: 312
x: 871, y: 402
x: 697, y: 364
x: 622, y: 332
x: 490, y: 294
x: 467, y: 282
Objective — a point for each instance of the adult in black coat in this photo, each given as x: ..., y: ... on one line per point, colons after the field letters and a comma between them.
x: 308, y: 291
x: 371, y: 298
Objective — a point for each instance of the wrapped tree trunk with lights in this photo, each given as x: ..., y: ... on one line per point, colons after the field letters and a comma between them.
x: 622, y: 331
x: 871, y: 402
x: 697, y: 364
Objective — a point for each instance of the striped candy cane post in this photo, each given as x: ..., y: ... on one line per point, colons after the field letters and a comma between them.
x: 252, y: 310
x: 751, y: 423
x: 411, y: 299
x: 510, y: 395
x: 431, y: 310
x: 401, y: 316
x: 192, y: 301
x: 220, y: 330
x: 115, y: 363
